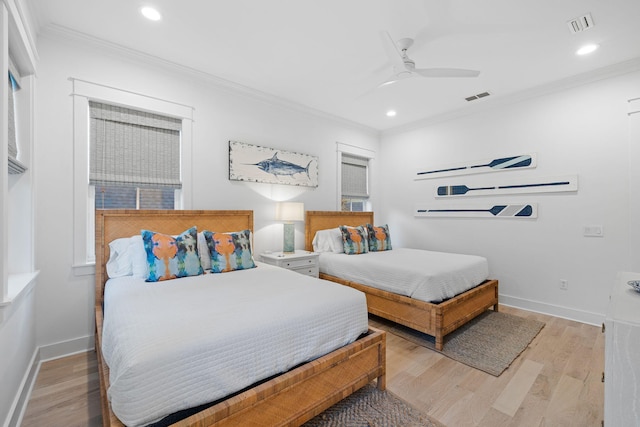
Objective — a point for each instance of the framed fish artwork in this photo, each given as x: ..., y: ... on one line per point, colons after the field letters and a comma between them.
x: 254, y: 163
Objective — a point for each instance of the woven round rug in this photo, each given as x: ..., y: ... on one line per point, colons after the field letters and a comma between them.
x: 370, y: 407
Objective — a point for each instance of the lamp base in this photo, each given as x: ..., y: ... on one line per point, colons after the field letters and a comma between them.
x: 288, y: 244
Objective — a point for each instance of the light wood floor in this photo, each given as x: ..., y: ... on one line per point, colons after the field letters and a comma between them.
x: 554, y: 382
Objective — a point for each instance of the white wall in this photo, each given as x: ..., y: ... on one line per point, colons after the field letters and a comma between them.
x: 18, y: 344
x: 65, y: 301
x: 583, y: 131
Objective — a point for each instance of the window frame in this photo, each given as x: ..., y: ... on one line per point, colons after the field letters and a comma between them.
x: 364, y: 153
x: 83, y: 193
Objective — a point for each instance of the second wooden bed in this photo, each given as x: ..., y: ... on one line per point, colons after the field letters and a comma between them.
x: 288, y: 399
x: 435, y: 319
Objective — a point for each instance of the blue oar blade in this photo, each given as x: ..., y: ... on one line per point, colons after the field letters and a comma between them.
x: 497, y: 209
x: 511, y: 162
x: 526, y: 211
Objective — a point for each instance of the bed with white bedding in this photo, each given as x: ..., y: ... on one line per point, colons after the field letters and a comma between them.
x: 432, y: 292
x: 255, y: 346
x: 424, y: 275
x: 234, y: 329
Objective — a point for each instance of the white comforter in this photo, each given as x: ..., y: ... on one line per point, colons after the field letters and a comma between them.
x: 425, y: 275
x: 181, y: 343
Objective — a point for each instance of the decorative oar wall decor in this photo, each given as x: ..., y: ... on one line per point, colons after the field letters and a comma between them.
x: 515, y: 186
x: 523, y: 161
x: 486, y: 210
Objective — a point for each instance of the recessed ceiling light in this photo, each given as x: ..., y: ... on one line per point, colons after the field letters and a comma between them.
x: 391, y: 113
x: 587, y: 49
x: 151, y: 13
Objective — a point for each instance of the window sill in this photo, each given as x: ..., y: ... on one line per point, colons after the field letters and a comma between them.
x: 19, y: 285
x: 84, y: 269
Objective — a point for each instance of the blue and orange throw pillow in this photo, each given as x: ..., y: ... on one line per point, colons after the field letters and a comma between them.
x: 171, y: 257
x: 229, y: 251
x: 379, y: 238
x: 354, y: 239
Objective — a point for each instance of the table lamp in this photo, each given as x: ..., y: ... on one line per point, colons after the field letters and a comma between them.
x: 289, y: 212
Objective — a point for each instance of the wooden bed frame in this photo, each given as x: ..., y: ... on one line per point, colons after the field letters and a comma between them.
x: 289, y: 399
x: 433, y: 319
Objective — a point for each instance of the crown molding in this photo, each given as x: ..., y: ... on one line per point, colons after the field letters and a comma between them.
x: 621, y: 68
x: 64, y: 34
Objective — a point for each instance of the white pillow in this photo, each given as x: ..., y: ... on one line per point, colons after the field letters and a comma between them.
x: 328, y: 241
x: 139, y: 264
x: 119, y: 263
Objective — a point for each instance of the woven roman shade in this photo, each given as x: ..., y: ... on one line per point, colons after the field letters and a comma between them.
x: 13, y: 145
x: 354, y: 176
x: 133, y: 148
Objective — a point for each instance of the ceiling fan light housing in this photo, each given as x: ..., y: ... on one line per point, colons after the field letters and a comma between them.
x: 587, y: 49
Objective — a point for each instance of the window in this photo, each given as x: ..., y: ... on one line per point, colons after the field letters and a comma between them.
x: 134, y: 160
x: 147, y: 194
x: 355, y: 183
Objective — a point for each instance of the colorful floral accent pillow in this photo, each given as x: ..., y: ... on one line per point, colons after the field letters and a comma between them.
x: 354, y: 239
x: 229, y: 251
x: 171, y: 257
x: 379, y: 238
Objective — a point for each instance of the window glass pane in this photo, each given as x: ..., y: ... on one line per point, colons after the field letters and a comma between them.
x: 156, y: 198
x: 357, y: 206
x: 115, y: 197
x: 353, y: 205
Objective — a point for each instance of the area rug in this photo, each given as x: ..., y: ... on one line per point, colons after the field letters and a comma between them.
x: 490, y: 342
x: 370, y: 407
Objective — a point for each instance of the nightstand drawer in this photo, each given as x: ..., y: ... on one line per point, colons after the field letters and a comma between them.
x: 308, y: 271
x: 294, y: 264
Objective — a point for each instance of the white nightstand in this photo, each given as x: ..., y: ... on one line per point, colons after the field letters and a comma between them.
x: 302, y: 262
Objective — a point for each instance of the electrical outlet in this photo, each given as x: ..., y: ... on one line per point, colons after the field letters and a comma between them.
x: 593, y: 231
x: 564, y: 284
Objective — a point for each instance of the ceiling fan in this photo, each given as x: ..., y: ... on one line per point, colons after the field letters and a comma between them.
x: 404, y: 67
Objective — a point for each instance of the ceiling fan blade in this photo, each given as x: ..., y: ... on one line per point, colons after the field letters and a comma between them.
x: 394, y: 78
x: 391, y: 49
x: 446, y: 72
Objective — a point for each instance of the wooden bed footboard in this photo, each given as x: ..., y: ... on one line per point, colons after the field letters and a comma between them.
x: 289, y: 399
x: 436, y: 320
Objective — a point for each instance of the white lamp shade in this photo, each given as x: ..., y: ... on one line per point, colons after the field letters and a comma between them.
x: 290, y: 211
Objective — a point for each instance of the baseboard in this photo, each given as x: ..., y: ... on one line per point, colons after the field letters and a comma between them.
x: 22, y: 397
x: 66, y: 348
x: 582, y: 316
x: 40, y: 355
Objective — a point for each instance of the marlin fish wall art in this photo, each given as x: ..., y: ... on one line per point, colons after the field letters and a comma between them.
x: 254, y: 163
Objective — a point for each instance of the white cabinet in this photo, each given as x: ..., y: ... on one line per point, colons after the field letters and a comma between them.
x: 622, y: 355
x: 302, y: 262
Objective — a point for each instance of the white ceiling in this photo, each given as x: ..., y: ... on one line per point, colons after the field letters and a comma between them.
x: 328, y: 55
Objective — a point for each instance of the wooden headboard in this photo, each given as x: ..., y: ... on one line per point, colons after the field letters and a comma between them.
x: 322, y: 220
x: 112, y: 224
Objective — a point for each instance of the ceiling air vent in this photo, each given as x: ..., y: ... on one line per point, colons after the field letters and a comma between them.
x: 581, y: 23
x: 478, y: 96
